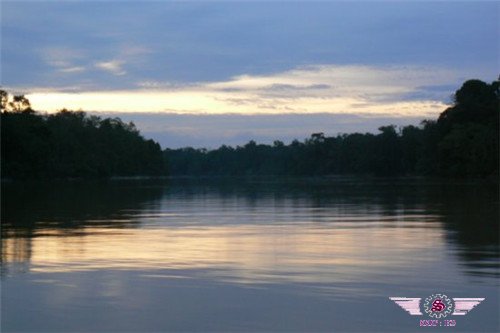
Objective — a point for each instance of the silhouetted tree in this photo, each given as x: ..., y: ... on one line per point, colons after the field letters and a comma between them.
x: 463, y: 142
x: 72, y: 144
x: 469, y: 131
x: 3, y: 100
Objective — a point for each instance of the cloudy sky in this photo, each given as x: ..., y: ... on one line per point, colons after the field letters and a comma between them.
x: 207, y: 73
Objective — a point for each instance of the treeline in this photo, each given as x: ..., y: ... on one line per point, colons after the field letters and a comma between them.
x: 71, y: 145
x: 462, y: 142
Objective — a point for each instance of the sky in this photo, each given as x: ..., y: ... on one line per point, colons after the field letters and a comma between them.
x: 208, y: 73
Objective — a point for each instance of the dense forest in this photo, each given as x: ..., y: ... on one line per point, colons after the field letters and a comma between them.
x: 462, y: 142
x: 71, y: 144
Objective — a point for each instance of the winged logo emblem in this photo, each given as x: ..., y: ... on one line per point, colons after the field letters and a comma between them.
x: 453, y: 306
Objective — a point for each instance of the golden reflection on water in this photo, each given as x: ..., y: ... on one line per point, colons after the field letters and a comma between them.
x: 253, y: 253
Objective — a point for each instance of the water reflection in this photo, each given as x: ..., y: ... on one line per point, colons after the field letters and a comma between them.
x: 471, y: 216
x: 236, y: 255
x: 261, y: 230
x: 26, y: 206
x: 65, y: 209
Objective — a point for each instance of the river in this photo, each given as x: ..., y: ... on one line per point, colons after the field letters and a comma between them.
x: 258, y: 254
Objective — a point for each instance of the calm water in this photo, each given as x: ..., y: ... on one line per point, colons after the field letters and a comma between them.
x: 245, y: 255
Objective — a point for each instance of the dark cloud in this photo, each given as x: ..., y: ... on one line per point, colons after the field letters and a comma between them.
x: 288, y: 87
x: 212, y: 41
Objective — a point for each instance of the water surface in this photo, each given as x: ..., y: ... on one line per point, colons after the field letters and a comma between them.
x: 245, y: 254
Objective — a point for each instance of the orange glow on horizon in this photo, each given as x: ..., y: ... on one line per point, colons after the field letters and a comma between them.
x: 304, y: 90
